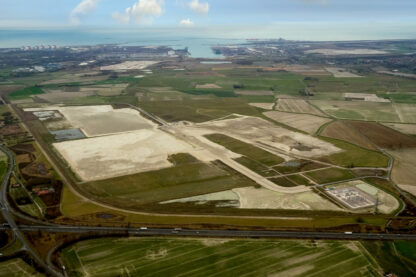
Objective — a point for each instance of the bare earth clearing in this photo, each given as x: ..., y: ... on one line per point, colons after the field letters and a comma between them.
x: 369, y: 97
x: 253, y: 92
x: 297, y: 106
x: 303, y: 122
x: 208, y: 86
x: 265, y: 106
x: 261, y: 198
x: 268, y: 136
x: 121, y: 154
x: 101, y: 120
x: 129, y: 65
x: 338, y: 72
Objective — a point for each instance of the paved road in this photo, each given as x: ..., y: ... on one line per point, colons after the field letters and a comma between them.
x: 219, y: 233
x: 5, y: 209
x: 217, y: 153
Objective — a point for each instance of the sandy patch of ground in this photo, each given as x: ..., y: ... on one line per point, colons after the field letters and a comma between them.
x: 406, y: 75
x: 101, y: 120
x: 296, y: 271
x: 227, y: 195
x: 338, y: 72
x: 261, y: 198
x: 303, y: 122
x: 409, y: 129
x: 404, y: 169
x: 409, y: 188
x: 208, y: 86
x: 369, y: 97
x: 302, y: 259
x: 268, y: 136
x: 129, y: 65
x: 120, y: 154
x: 305, y: 69
x: 254, y: 92
x: 335, y: 52
x: 297, y: 106
x: 213, y: 242
x: 265, y: 106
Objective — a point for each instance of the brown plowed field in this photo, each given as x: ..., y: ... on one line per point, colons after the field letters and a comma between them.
x: 343, y: 131
x: 383, y: 136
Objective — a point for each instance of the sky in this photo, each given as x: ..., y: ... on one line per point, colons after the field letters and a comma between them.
x: 255, y: 15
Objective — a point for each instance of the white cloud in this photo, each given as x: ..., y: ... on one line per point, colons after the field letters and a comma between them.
x: 186, y: 23
x: 144, y: 11
x: 83, y: 8
x: 201, y: 8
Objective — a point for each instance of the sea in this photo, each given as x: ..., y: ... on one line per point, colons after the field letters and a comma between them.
x: 199, y: 41
x: 199, y: 47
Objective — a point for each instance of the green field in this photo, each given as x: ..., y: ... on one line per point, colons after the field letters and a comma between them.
x: 17, y: 268
x: 248, y: 150
x: 355, y: 156
x: 330, y: 175
x: 25, y: 93
x: 359, y: 110
x: 216, y: 257
x: 374, y: 83
x: 3, y: 167
x: 198, y: 110
x: 187, y: 178
x: 401, y: 262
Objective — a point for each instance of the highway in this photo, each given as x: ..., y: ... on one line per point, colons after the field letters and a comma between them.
x: 144, y: 231
x: 178, y: 232
x: 5, y: 209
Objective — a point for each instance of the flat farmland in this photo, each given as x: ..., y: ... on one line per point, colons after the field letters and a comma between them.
x: 343, y: 131
x: 383, y: 136
x: 198, y: 110
x: 407, y: 112
x: 216, y: 257
x: 373, y: 83
x: 404, y: 169
x: 297, y: 106
x: 17, y: 268
x: 359, y: 110
x: 404, y: 128
x: 303, y: 122
x: 330, y: 175
x: 355, y: 156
